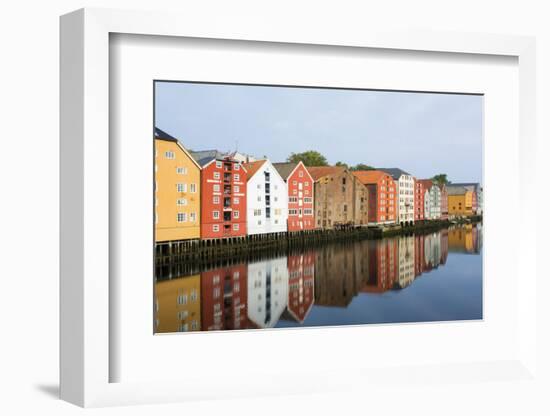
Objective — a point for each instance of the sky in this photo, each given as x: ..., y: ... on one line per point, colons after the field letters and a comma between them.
x: 421, y: 133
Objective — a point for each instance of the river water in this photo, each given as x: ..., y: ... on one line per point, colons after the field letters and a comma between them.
x: 417, y: 278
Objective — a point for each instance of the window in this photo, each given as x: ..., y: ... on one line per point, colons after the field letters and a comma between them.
x: 235, y: 214
x: 216, y: 215
x: 218, y: 164
x: 215, y: 228
x: 182, y: 299
x: 294, y: 182
x: 193, y: 217
x: 236, y: 177
x: 182, y: 187
x: 216, y: 200
x: 181, y: 202
x: 306, y: 192
x: 236, y: 227
x: 237, y: 189
x: 182, y: 217
x: 181, y: 171
x: 293, y: 199
x: 216, y: 188
x: 257, y: 212
x: 306, y: 183
x: 237, y: 166
x: 169, y: 155
x: 308, y: 211
x: 292, y: 212
x: 236, y: 200
x: 301, y: 174
x: 193, y: 188
x: 216, y: 175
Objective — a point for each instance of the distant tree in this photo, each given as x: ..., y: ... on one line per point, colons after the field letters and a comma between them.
x: 309, y: 158
x: 441, y: 179
x: 342, y: 164
x: 362, y: 166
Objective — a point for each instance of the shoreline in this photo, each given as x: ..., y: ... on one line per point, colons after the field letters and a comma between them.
x: 206, y: 251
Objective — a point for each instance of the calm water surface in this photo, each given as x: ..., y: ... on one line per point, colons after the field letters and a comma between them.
x: 432, y: 277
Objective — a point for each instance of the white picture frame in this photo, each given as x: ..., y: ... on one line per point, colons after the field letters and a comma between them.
x: 85, y: 346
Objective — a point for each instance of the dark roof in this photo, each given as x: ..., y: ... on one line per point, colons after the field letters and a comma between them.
x: 204, y: 161
x: 317, y: 172
x: 204, y: 154
x: 456, y: 190
x: 468, y: 184
x: 395, y: 173
x: 161, y: 134
x: 285, y: 168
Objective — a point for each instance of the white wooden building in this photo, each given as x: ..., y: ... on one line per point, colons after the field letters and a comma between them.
x: 266, y: 199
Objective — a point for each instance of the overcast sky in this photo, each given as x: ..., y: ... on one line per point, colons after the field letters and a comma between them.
x: 424, y: 134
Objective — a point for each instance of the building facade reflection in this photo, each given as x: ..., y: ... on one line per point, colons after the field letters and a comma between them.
x: 260, y: 293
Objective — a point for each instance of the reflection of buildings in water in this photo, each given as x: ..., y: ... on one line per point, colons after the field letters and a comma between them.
x: 335, y: 277
x: 432, y: 251
x: 406, y: 261
x: 178, y: 304
x: 466, y: 239
x: 267, y: 291
x: 444, y: 238
x: 418, y: 254
x: 383, y: 265
x: 224, y: 298
x: 301, y: 271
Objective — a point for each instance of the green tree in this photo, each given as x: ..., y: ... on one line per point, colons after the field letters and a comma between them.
x: 441, y: 179
x: 342, y: 164
x: 361, y: 166
x: 309, y: 158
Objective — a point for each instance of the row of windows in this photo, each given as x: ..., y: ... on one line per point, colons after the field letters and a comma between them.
x: 236, y: 166
x: 216, y: 227
x: 183, y: 217
x: 216, y: 214
x: 307, y: 211
x: 236, y: 176
x: 182, y: 187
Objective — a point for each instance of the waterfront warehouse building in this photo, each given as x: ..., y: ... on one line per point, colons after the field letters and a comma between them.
x: 444, y: 204
x: 223, y: 196
x: 267, y: 199
x: 419, y: 200
x: 460, y: 201
x: 477, y: 197
x: 178, y: 304
x: 177, y: 190
x: 300, y: 195
x: 406, y: 191
x: 340, y: 198
x: 382, y: 196
x: 432, y: 207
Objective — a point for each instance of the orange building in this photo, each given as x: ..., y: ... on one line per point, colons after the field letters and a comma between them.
x: 178, y: 304
x: 382, y: 196
x: 177, y: 190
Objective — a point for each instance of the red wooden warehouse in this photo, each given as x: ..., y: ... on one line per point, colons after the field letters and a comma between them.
x: 300, y: 195
x: 223, y: 196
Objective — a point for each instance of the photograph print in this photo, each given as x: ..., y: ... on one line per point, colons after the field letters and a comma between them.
x: 296, y: 207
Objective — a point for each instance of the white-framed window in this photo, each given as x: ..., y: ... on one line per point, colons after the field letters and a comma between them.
x: 236, y: 200
x: 192, y: 216
x: 236, y: 227
x: 259, y: 198
x: 181, y: 170
x: 294, y: 182
x: 308, y: 200
x: 193, y: 188
x: 216, y: 215
x: 169, y: 154
x: 216, y: 200
x: 308, y: 211
x: 216, y: 188
x: 181, y: 201
x: 306, y: 183
x: 292, y: 212
x: 237, y: 177
x: 182, y: 217
x: 218, y: 164
x: 257, y: 212
x: 215, y: 228
x: 235, y: 214
x: 216, y: 175
x: 182, y: 187
x: 237, y: 189
x: 301, y: 174
x: 293, y: 199
x: 182, y: 299
x: 237, y: 166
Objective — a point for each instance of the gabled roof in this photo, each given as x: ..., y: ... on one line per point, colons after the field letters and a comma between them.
x: 252, y: 167
x: 395, y: 173
x: 369, y: 177
x: 456, y: 190
x: 317, y: 172
x: 285, y: 169
x: 427, y: 183
x: 162, y: 135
